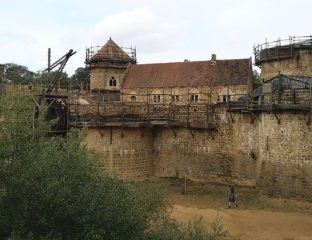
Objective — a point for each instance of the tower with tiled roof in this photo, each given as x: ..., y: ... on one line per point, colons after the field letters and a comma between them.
x: 108, y: 66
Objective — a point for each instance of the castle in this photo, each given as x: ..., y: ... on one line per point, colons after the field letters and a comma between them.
x: 202, y: 120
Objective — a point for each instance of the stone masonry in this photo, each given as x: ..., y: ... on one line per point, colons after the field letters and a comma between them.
x: 277, y: 157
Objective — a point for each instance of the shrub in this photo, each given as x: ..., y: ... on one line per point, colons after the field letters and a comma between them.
x: 52, y: 189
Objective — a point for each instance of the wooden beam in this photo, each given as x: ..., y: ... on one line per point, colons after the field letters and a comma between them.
x: 231, y: 117
x: 308, y: 121
x: 278, y: 120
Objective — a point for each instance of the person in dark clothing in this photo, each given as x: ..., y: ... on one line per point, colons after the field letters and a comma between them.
x: 231, y: 195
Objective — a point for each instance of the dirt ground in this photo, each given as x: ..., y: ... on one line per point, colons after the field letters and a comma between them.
x: 258, y: 217
x: 252, y: 224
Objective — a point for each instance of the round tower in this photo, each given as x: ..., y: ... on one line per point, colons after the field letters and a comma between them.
x: 292, y: 56
x: 108, y: 66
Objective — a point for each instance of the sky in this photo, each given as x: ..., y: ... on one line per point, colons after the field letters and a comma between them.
x: 161, y: 30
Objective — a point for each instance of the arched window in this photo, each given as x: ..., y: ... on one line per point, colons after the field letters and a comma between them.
x: 112, y: 82
x: 133, y: 96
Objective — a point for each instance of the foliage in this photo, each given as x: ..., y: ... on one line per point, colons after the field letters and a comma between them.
x: 193, y: 230
x: 81, y: 77
x: 44, y: 78
x: 18, y: 74
x: 256, y: 78
x: 52, y: 188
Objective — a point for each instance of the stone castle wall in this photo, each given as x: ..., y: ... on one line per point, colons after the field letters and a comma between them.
x: 243, y: 149
x: 286, y: 154
x: 125, y: 152
x: 299, y: 65
x: 222, y: 155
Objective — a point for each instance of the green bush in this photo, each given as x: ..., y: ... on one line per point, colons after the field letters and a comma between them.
x: 52, y: 188
x: 193, y: 230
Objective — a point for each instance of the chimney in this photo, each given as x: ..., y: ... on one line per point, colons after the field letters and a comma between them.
x: 213, y: 59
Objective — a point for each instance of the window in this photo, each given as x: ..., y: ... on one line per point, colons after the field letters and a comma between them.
x: 156, y: 98
x: 194, y: 97
x: 175, y: 98
x: 112, y: 82
x: 225, y: 98
x: 133, y: 98
x: 225, y: 95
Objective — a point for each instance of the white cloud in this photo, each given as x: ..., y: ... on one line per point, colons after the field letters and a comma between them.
x: 162, y: 31
x: 138, y: 27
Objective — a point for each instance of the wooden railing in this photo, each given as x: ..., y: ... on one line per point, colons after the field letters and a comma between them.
x: 281, y: 48
x: 292, y: 99
x: 186, y: 114
x: 197, y: 115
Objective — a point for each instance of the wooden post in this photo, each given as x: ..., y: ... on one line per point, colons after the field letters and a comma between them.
x: 111, y: 135
x: 227, y: 97
x: 207, y: 113
x: 147, y: 106
x: 163, y: 96
x: 68, y: 115
x: 310, y: 97
x: 122, y: 119
x: 188, y: 109
x: 77, y: 112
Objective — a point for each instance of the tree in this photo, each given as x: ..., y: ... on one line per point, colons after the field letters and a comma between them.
x: 81, y: 77
x: 256, y: 78
x: 52, y: 188
x: 43, y: 78
x: 18, y: 74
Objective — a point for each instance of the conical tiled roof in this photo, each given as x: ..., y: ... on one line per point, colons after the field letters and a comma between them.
x: 111, y: 51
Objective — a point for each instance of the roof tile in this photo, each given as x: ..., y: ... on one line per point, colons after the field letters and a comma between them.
x: 197, y: 73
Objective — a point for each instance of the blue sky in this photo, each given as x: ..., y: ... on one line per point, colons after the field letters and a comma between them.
x: 162, y: 31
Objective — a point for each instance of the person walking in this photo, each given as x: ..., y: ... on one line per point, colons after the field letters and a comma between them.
x: 231, y: 195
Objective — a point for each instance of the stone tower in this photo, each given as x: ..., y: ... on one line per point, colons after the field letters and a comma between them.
x: 291, y: 56
x: 108, y: 66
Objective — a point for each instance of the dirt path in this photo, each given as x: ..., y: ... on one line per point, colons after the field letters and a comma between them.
x: 252, y: 224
